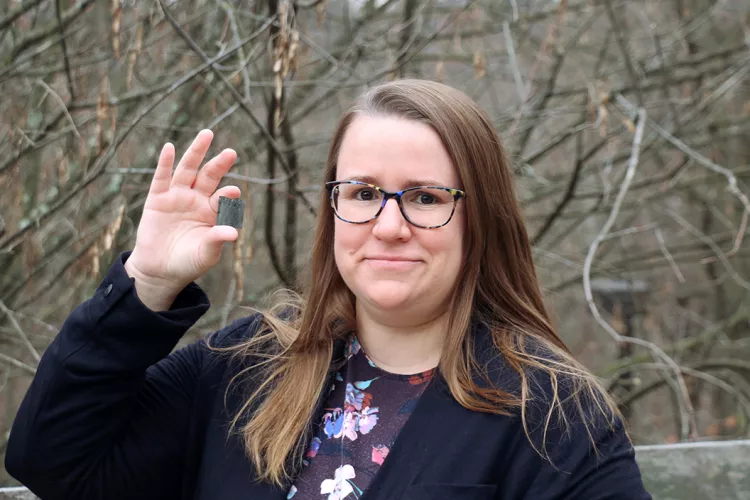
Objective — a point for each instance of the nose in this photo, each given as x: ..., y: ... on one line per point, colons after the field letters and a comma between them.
x: 390, y: 224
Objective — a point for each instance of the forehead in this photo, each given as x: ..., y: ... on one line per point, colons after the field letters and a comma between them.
x: 394, y: 152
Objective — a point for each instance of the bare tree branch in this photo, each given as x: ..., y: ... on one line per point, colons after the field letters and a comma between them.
x: 43, y: 32
x: 18, y: 364
x: 19, y: 330
x: 63, y: 47
x: 17, y: 12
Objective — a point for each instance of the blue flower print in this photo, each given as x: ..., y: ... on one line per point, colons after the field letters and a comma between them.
x: 333, y: 423
x: 314, y: 447
x: 352, y: 347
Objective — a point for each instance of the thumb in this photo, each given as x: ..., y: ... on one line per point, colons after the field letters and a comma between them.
x: 213, y: 242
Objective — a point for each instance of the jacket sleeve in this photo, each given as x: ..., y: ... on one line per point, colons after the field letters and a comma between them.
x: 108, y: 411
x: 578, y: 469
x: 585, y: 456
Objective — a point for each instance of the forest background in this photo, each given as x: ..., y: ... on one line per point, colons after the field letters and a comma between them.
x: 626, y: 121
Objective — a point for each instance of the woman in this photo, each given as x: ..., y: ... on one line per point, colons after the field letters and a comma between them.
x: 421, y: 363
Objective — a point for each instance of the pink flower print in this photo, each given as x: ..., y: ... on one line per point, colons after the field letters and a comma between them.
x: 339, y: 487
x: 349, y: 428
x: 354, y: 397
x: 367, y: 419
x: 379, y: 453
x: 421, y: 378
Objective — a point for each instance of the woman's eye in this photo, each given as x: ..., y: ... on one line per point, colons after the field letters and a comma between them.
x: 425, y: 199
x: 365, y: 194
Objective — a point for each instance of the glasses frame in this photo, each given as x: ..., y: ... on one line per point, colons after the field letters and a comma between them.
x: 387, y: 195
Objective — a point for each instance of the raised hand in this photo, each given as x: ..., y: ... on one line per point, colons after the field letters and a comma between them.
x: 177, y: 240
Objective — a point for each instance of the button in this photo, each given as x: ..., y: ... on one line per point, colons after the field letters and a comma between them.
x: 108, y: 290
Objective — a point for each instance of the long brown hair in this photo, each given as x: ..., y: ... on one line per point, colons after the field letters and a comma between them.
x: 497, y: 288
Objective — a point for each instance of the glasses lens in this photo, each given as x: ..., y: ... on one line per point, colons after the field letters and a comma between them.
x: 356, y: 202
x: 428, y: 206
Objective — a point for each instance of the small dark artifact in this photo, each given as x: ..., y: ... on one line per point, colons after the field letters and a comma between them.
x: 231, y: 212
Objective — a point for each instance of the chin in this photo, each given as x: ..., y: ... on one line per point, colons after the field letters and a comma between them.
x: 390, y: 300
x: 387, y: 304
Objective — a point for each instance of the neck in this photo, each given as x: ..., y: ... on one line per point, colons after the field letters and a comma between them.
x: 400, y: 347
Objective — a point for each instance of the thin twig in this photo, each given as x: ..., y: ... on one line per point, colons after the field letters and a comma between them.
x: 510, y: 47
x: 514, y: 6
x: 230, y: 175
x: 49, y: 89
x: 17, y: 364
x: 709, y: 242
x: 570, y: 191
x: 540, y: 103
x: 19, y: 330
x: 18, y: 12
x: 241, y: 53
x: 630, y: 231
x: 614, y: 22
x: 43, y: 32
x: 63, y: 47
x: 234, y: 107
x: 668, y: 256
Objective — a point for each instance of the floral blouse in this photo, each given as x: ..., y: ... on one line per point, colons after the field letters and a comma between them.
x: 364, y: 412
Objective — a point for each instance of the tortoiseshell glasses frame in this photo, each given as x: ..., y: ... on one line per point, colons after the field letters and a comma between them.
x: 431, y: 210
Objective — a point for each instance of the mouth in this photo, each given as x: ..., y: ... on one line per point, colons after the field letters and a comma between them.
x: 396, y: 263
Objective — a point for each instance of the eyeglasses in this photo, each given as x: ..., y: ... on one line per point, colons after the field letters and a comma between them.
x: 428, y: 207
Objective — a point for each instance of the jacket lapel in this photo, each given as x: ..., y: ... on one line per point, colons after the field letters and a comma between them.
x: 427, y: 431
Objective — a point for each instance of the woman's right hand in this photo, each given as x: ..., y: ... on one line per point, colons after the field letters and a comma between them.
x: 177, y: 239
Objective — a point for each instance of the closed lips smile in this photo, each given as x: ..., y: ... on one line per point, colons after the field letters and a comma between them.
x: 391, y: 259
x: 391, y: 263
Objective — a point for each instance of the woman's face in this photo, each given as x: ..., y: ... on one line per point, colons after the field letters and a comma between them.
x: 398, y: 271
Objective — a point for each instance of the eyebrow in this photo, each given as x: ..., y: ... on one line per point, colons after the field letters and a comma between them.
x: 408, y: 183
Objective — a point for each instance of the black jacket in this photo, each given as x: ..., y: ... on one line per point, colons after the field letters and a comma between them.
x: 111, y: 414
